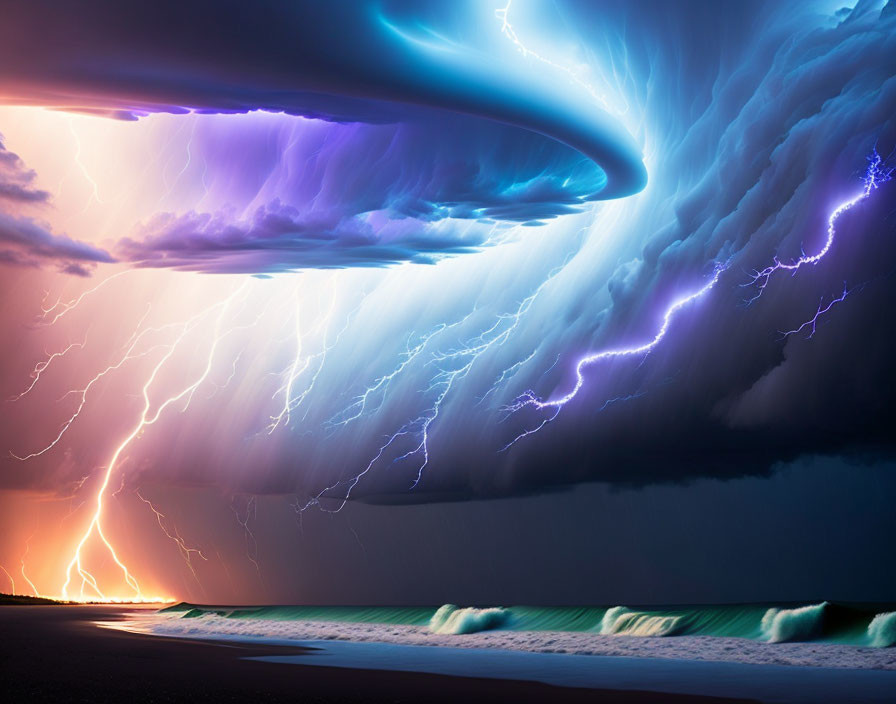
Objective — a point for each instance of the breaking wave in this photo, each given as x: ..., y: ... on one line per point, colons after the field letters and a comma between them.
x: 882, y: 630
x: 636, y: 623
x: 456, y: 621
x: 804, y: 623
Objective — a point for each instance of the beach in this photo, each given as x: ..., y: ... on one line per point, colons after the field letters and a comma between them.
x: 58, y: 653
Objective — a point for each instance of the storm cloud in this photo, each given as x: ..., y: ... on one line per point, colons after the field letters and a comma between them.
x: 782, y: 137
x: 755, y: 121
x: 477, y: 137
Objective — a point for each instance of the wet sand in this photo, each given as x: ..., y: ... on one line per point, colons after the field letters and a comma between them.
x: 59, y: 654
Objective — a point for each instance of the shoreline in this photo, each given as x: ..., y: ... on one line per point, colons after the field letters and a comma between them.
x: 718, y: 649
x: 58, y: 653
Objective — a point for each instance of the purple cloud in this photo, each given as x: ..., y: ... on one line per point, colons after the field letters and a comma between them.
x: 17, y: 181
x: 25, y: 242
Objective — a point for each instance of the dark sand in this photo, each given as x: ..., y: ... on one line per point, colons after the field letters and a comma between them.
x: 57, y: 653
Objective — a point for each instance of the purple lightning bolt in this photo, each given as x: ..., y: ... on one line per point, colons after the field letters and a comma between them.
x: 530, y: 399
x: 874, y: 176
x: 812, y: 323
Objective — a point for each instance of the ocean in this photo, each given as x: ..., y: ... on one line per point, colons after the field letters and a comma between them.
x: 787, y: 653
x: 866, y: 626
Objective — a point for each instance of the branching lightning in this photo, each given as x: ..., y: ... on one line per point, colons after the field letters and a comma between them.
x: 812, y: 323
x: 452, y: 366
x: 358, y: 407
x: 555, y: 405
x: 503, y: 14
x: 95, y: 194
x: 875, y: 175
x: 506, y: 375
x: 43, y: 365
x: 146, y: 419
x: 130, y: 354
x: 186, y: 552
x: 300, y: 364
x: 60, y: 308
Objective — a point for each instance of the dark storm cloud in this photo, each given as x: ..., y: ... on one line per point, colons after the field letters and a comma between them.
x: 782, y: 137
x: 727, y: 394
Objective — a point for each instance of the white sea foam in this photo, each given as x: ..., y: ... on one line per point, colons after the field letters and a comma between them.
x: 706, y: 648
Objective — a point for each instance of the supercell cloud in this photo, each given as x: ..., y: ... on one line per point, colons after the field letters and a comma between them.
x: 563, y: 210
x: 422, y: 128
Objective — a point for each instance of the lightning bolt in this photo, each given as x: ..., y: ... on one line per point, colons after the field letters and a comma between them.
x: 300, y: 364
x: 60, y: 309
x: 43, y: 365
x: 11, y: 580
x: 138, y: 327
x: 503, y: 14
x: 146, y: 419
x: 130, y: 354
x: 506, y: 374
x: 25, y: 576
x: 321, y: 357
x: 875, y: 175
x: 298, y: 367
x: 452, y: 366
x: 186, y: 165
x: 186, y: 552
x: 96, y: 191
x: 380, y: 386
x: 812, y: 323
x: 221, y: 387
x: 251, y: 512
x: 151, y: 412
x: 555, y: 405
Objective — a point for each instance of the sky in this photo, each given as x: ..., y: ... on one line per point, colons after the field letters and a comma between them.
x: 488, y: 303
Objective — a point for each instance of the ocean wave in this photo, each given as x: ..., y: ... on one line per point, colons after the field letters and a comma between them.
x: 882, y: 630
x: 857, y: 625
x: 729, y: 649
x: 450, y: 619
x: 783, y: 625
x: 621, y: 621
